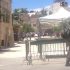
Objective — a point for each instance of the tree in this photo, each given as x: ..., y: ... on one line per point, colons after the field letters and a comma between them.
x: 24, y: 10
x: 66, y: 29
x: 43, y: 12
x: 21, y: 10
x: 66, y: 36
x: 27, y: 28
x: 18, y: 25
x: 57, y: 28
x: 16, y: 12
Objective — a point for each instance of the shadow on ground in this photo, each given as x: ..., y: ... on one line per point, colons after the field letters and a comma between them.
x: 6, y: 49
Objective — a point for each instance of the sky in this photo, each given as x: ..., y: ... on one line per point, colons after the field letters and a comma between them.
x: 31, y: 4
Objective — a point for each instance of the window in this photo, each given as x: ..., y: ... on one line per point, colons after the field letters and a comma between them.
x: 2, y: 43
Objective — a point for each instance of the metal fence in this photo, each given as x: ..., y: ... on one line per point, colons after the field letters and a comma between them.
x: 49, y: 48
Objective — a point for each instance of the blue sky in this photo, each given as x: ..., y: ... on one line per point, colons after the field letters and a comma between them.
x: 31, y: 4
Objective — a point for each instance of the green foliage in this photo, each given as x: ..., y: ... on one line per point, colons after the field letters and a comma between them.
x: 43, y: 12
x: 66, y: 29
x: 16, y: 13
x: 15, y: 25
x: 66, y: 24
x: 24, y: 10
x: 57, y: 28
x: 21, y: 10
x: 27, y: 28
x: 15, y: 16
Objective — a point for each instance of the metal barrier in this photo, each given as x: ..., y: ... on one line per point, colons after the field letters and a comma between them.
x: 48, y: 48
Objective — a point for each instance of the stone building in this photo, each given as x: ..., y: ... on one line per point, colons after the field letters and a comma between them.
x: 34, y: 21
x: 6, y: 29
x: 24, y: 18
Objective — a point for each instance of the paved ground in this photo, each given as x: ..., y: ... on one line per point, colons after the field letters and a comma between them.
x: 12, y: 59
x: 13, y: 52
x: 19, y: 64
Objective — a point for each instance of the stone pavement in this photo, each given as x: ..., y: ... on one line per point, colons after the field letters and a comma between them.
x: 13, y: 59
x: 19, y: 64
x: 13, y: 52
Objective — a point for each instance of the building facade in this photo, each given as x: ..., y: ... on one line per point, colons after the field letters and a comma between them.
x: 34, y: 22
x: 6, y: 27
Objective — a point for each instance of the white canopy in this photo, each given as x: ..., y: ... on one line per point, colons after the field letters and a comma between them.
x: 60, y: 14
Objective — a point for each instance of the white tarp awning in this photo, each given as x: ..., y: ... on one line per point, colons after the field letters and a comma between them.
x: 60, y: 14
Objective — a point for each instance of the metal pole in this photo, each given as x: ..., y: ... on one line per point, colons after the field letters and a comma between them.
x: 30, y: 55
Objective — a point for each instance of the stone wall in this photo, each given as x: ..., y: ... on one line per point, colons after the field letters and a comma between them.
x: 6, y: 28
